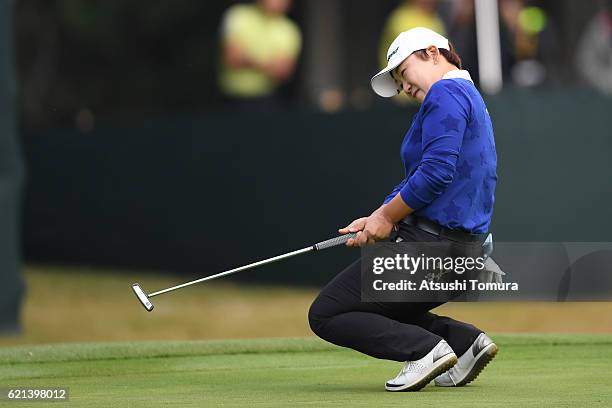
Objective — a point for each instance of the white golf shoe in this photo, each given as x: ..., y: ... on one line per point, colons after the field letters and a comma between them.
x: 417, y: 374
x: 470, y: 364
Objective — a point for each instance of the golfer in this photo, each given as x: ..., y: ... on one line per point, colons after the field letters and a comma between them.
x: 447, y: 197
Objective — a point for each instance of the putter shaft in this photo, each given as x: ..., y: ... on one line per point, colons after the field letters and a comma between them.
x: 242, y: 268
x: 144, y: 297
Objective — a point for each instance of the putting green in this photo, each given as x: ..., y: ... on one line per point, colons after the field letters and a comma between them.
x: 529, y: 371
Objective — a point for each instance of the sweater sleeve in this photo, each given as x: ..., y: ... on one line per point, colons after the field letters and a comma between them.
x: 444, y: 120
x: 396, y: 190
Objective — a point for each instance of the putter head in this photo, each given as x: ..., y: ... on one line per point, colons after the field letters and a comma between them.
x: 142, y: 297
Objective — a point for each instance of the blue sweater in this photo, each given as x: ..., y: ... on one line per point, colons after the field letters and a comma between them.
x: 450, y: 159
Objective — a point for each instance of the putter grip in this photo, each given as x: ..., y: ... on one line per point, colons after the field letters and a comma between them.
x: 334, y: 241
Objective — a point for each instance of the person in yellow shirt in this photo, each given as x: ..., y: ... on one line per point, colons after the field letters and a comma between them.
x: 260, y: 47
x: 409, y: 14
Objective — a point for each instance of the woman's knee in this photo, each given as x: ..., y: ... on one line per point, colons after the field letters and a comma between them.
x: 316, y: 319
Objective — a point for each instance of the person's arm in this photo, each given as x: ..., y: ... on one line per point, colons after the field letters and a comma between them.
x: 280, y: 68
x: 235, y: 57
x: 395, y: 190
x: 394, y: 211
x: 379, y: 224
x: 444, y: 124
x: 359, y: 223
x: 234, y: 29
x: 445, y: 118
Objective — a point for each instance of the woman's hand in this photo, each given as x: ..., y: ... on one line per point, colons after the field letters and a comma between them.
x: 370, y: 229
x: 354, y: 226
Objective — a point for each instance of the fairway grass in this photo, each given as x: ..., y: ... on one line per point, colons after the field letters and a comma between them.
x: 531, y: 370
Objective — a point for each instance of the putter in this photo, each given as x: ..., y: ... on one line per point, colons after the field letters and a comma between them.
x: 144, y: 298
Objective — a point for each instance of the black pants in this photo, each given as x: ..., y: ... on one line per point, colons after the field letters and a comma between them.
x: 400, y: 331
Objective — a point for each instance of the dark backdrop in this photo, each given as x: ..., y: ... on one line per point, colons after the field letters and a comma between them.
x: 201, y: 195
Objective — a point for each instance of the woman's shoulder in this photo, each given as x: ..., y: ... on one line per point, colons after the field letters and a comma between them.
x: 448, y: 95
x: 460, y: 90
x: 451, y: 86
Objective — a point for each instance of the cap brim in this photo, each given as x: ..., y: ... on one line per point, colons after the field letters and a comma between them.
x: 383, y: 83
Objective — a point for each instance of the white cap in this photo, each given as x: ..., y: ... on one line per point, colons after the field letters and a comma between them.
x: 406, y: 43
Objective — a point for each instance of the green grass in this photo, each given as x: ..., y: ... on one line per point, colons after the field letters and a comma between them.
x: 101, y: 304
x: 529, y: 371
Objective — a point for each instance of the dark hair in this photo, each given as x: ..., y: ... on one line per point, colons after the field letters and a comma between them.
x: 450, y: 55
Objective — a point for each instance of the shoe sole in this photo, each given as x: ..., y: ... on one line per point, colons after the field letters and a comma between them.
x: 480, y: 362
x: 441, y: 366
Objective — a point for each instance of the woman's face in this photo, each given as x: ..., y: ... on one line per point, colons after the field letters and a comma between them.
x: 276, y: 7
x: 413, y: 75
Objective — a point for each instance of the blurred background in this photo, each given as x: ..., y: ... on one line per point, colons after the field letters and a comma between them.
x: 164, y: 141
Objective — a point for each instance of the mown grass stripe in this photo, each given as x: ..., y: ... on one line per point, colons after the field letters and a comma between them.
x: 156, y: 349
x: 162, y: 349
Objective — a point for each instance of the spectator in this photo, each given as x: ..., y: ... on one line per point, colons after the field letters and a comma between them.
x: 594, y: 56
x: 260, y: 46
x: 409, y: 14
x: 527, y: 43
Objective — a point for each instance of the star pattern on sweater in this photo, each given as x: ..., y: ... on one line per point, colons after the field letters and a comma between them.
x: 483, y: 158
x: 473, y: 135
x: 435, y: 102
x: 487, y: 205
x: 471, y: 196
x: 450, y: 123
x: 414, y: 140
x: 452, y: 210
x: 465, y: 170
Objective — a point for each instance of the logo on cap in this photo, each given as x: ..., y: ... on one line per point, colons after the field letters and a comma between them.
x: 392, y: 54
